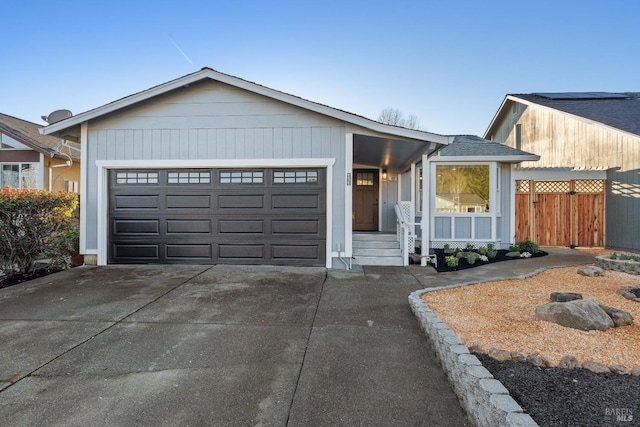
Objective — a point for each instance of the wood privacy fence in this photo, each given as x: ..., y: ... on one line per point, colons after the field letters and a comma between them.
x: 561, y: 213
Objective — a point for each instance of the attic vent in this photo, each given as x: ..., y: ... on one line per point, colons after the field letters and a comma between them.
x: 581, y: 95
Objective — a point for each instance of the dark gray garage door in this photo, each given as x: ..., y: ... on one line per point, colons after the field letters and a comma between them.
x: 210, y: 216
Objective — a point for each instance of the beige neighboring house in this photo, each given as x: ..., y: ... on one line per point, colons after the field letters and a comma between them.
x: 29, y: 160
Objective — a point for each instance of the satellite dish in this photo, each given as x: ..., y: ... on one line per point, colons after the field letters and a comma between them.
x: 57, y: 116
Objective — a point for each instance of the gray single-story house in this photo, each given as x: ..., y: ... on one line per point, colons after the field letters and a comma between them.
x: 211, y: 168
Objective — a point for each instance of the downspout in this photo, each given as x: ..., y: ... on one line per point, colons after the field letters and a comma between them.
x: 347, y: 266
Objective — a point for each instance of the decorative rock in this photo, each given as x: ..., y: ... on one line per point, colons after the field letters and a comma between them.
x: 595, y: 367
x: 537, y: 360
x: 619, y: 317
x: 591, y: 271
x: 516, y: 356
x: 568, y: 362
x: 630, y: 292
x: 500, y: 355
x: 583, y: 314
x: 636, y: 371
x: 512, y: 254
x: 564, y: 296
x: 619, y: 369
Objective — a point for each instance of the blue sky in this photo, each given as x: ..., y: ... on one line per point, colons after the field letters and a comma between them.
x: 448, y: 62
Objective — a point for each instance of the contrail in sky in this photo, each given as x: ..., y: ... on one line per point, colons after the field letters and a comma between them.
x: 180, y: 50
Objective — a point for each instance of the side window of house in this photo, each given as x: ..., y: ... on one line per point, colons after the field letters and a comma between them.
x: 19, y: 175
x: 462, y: 188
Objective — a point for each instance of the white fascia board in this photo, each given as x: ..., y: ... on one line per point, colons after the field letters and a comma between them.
x: 251, y: 87
x: 219, y: 163
x: 499, y: 159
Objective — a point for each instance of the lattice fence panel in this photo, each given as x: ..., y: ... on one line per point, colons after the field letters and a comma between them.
x: 595, y: 186
x: 523, y: 186
x: 552, y: 186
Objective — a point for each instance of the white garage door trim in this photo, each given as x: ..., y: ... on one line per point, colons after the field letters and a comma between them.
x: 103, y: 182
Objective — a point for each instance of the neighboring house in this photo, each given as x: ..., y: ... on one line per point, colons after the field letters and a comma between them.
x: 30, y: 160
x: 211, y: 168
x: 585, y: 190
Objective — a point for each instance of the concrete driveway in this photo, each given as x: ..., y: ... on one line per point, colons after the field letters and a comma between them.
x: 221, y: 345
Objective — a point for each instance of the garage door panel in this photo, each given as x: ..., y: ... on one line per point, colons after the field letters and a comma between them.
x: 147, y: 252
x: 293, y: 252
x: 235, y: 251
x: 295, y: 201
x: 137, y: 202
x: 184, y: 252
x: 241, y: 226
x: 237, y: 201
x: 175, y: 201
x: 284, y: 226
x: 180, y: 226
x: 127, y: 227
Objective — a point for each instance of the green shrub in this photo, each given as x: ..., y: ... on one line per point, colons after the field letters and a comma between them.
x: 34, y: 224
x: 492, y: 254
x: 490, y: 246
x: 624, y: 257
x: 452, y: 261
x: 514, y: 248
x: 471, y: 258
x: 613, y: 256
x: 528, y: 246
x: 456, y: 251
x: 469, y: 247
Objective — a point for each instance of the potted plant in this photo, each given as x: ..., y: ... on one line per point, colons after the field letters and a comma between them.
x: 73, y: 234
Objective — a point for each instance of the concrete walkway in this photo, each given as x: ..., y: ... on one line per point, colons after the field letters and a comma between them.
x: 222, y: 345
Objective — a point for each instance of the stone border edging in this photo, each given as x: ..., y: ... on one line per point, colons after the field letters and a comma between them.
x: 625, y: 266
x: 485, y: 399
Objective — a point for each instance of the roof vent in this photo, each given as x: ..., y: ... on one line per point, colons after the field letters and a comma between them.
x: 57, y: 116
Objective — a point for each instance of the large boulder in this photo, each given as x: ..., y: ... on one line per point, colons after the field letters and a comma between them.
x: 619, y: 317
x: 583, y: 314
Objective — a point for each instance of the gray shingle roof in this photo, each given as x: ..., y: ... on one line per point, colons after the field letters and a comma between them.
x: 474, y: 146
x: 621, y: 113
x: 27, y: 133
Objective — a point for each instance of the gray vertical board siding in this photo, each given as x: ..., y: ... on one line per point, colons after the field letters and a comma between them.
x: 214, y: 121
x: 623, y: 210
x: 462, y: 227
x: 507, y: 198
x: 442, y: 228
x: 389, y: 192
x: 405, y: 188
x: 482, y: 228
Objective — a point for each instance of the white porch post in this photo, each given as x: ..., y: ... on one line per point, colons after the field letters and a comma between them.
x: 348, y: 196
x: 426, y: 212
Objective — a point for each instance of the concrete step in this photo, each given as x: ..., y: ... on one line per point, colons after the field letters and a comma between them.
x: 392, y: 260
x: 376, y: 252
x: 374, y: 244
x: 374, y: 236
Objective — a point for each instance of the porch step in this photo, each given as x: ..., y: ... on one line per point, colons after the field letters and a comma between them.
x: 376, y: 249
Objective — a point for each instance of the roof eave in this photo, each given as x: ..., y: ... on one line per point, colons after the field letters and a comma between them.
x: 252, y: 87
x: 499, y: 159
